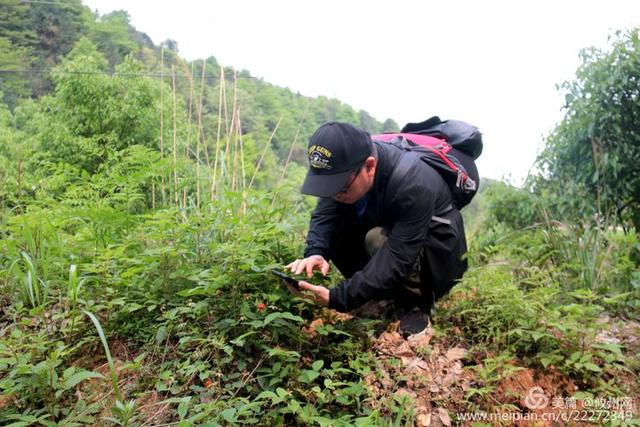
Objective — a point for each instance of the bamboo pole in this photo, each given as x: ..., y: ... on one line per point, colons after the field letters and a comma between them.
x: 295, y: 139
x: 175, y: 139
x: 236, y: 138
x: 204, y: 140
x: 234, y: 113
x: 199, y: 136
x: 225, y: 152
x: 244, y: 189
x: 224, y: 97
x: 216, y: 157
x: 240, y: 155
x: 264, y: 152
x: 162, y: 119
x: 188, y: 144
x: 229, y: 131
x: 201, y: 127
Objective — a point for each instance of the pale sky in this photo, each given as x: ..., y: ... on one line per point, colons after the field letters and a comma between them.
x: 492, y: 63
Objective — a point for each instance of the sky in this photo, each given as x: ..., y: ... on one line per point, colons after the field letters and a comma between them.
x: 495, y: 64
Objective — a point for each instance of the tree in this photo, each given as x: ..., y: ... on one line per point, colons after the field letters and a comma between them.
x: 58, y: 26
x: 112, y: 33
x: 16, y: 27
x: 591, y: 159
x: 170, y: 44
x: 96, y: 114
x: 367, y: 123
x: 14, y: 63
x: 390, y: 125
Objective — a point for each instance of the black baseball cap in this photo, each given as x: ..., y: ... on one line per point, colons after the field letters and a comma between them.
x: 335, y: 150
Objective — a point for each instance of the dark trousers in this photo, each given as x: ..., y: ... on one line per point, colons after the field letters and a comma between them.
x: 441, y: 262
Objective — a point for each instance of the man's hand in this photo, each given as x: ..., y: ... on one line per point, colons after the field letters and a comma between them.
x: 309, y: 264
x: 320, y: 294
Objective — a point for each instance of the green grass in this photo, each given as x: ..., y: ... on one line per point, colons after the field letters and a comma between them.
x: 178, y: 295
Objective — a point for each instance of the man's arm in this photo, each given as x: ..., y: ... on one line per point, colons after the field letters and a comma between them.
x: 322, y: 226
x: 413, y: 208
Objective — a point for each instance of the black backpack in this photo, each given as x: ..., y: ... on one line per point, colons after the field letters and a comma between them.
x: 460, y: 135
x: 449, y: 146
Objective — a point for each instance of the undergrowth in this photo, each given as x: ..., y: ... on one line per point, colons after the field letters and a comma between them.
x: 169, y: 316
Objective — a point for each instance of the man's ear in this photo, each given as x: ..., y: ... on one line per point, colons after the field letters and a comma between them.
x: 370, y: 165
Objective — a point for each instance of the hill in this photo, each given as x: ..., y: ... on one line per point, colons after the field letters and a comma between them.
x: 144, y: 200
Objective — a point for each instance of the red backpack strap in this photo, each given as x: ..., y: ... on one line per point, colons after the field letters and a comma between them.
x: 436, y: 145
x: 421, y: 140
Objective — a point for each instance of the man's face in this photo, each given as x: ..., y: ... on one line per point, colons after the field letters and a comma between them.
x: 358, y: 184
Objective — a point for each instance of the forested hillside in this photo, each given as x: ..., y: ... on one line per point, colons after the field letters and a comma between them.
x: 46, y: 44
x: 144, y: 199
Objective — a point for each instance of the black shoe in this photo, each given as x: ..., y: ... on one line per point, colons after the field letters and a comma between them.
x: 414, y: 322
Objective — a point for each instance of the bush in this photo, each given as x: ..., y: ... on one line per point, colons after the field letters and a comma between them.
x: 513, y: 207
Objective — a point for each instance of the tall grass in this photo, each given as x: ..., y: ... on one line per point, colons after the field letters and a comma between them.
x: 34, y: 289
x: 112, y: 367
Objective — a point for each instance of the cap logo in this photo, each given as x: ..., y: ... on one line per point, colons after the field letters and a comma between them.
x: 319, y: 157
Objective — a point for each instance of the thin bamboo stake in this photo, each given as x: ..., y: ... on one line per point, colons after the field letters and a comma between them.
x: 264, y: 152
x: 229, y: 134
x: 199, y: 136
x: 236, y: 137
x: 201, y: 127
x: 204, y: 139
x: 234, y: 112
x: 244, y: 179
x: 226, y: 113
x: 162, y: 119
x: 175, y: 139
x: 223, y: 163
x: 244, y: 189
x: 216, y: 158
x: 242, y: 168
x: 187, y: 145
x: 295, y: 139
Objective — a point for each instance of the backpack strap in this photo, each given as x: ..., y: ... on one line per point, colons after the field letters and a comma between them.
x: 402, y: 168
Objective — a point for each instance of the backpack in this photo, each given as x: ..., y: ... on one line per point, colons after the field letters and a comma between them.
x: 460, y: 135
x: 432, y: 141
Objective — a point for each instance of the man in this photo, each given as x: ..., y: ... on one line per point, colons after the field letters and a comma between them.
x: 386, y: 220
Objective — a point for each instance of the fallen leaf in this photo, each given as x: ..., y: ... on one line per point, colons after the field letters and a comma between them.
x: 390, y: 338
x: 455, y: 353
x: 415, y: 363
x: 311, y: 330
x: 420, y: 341
x: 444, y: 417
x: 423, y: 409
x: 449, y: 379
x: 403, y: 350
x: 316, y: 323
x: 456, y: 368
x: 336, y: 316
x: 405, y: 392
x: 424, y: 420
x: 5, y: 401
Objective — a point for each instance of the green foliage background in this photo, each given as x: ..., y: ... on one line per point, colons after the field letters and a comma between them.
x: 143, y: 200
x: 591, y: 160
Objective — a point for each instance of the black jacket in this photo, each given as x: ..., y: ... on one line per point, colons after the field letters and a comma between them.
x: 404, y: 206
